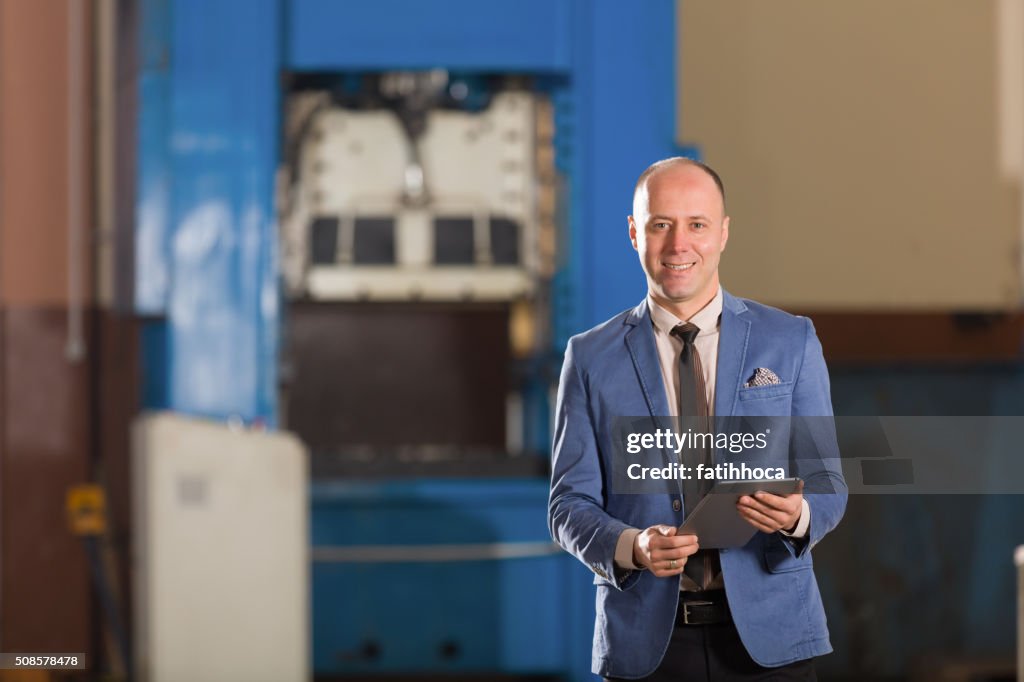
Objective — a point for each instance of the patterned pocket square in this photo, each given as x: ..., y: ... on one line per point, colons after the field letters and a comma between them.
x: 762, y: 377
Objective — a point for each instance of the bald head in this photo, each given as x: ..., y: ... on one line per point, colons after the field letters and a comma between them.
x: 672, y: 162
x: 679, y: 229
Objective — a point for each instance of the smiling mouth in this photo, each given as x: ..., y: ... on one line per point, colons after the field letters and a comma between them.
x: 679, y: 267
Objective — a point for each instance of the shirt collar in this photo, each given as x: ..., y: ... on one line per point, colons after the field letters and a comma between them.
x: 706, y: 318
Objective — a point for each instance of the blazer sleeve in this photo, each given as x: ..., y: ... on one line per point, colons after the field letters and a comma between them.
x: 814, y: 447
x: 576, y: 507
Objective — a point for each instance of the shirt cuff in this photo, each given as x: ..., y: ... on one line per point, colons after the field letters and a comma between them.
x: 624, y: 549
x: 799, y: 532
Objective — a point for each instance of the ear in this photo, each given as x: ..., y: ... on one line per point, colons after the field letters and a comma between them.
x: 632, y: 232
x: 725, y: 233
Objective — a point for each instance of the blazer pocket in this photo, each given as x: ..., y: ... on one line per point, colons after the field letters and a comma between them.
x: 770, y: 391
x: 780, y: 560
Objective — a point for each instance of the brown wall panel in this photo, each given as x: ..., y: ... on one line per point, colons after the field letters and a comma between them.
x: 56, y: 417
x: 44, y: 580
x: 919, y: 338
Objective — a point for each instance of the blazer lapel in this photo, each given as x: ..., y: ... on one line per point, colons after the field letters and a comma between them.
x: 732, y: 350
x: 640, y: 342
x: 644, y: 352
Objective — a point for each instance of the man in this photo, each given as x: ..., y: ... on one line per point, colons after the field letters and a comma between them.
x: 667, y: 610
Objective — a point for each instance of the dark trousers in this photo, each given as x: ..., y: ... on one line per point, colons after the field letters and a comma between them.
x: 714, y: 653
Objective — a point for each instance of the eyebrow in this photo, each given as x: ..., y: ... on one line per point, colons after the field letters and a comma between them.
x: 670, y: 218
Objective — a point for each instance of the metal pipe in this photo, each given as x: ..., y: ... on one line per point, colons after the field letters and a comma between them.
x: 74, y: 350
x: 104, y: 88
x: 402, y: 554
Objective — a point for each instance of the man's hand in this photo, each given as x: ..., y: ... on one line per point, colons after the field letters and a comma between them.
x: 663, y: 552
x: 769, y: 513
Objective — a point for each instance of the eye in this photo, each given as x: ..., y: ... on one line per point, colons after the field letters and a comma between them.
x: 661, y: 225
x: 698, y: 226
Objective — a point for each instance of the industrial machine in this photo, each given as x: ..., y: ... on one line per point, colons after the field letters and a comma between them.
x: 385, y: 220
x: 417, y: 224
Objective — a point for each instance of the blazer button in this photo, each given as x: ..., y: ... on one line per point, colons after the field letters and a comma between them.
x: 676, y: 505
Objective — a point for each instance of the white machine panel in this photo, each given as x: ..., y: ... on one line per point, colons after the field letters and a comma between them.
x: 479, y: 166
x: 222, y: 559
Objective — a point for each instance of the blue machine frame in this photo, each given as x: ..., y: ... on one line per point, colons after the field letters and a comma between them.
x: 206, y: 264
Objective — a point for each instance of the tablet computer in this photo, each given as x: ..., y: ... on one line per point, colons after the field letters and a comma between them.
x: 717, y: 523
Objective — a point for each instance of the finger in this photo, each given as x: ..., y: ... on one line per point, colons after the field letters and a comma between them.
x: 758, y: 525
x: 664, y: 569
x: 681, y: 540
x: 759, y: 520
x: 752, y: 503
x: 660, y: 542
x: 689, y: 550
x: 784, y: 511
x: 779, y: 516
x: 776, y: 501
x: 677, y: 554
x: 662, y: 555
x: 667, y: 531
x: 772, y: 517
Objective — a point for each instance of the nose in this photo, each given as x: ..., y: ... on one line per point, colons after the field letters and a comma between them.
x: 679, y: 239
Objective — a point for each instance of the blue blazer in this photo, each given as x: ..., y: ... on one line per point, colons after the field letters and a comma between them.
x: 613, y: 371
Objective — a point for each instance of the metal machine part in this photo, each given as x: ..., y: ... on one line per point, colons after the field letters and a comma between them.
x: 400, y: 198
x: 417, y: 204
x: 412, y: 95
x: 406, y: 388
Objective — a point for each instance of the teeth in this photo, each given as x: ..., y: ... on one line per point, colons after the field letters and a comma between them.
x: 687, y: 266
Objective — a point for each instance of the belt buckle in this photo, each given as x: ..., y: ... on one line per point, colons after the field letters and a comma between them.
x: 686, y: 609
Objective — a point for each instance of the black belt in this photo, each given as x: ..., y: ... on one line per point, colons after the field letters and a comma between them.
x: 702, y: 608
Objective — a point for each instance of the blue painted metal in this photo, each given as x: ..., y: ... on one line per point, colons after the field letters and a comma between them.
x: 527, y: 36
x: 154, y: 176
x: 615, y: 115
x: 153, y: 339
x: 207, y: 254
x: 631, y: 106
x: 512, y: 615
x: 153, y: 188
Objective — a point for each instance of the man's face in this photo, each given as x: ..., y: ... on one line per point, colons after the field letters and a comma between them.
x: 679, y: 228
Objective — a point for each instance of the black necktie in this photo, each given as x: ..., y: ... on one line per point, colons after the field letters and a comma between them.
x: 694, y: 417
x: 693, y: 408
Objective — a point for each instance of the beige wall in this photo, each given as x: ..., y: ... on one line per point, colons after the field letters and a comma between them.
x: 859, y: 143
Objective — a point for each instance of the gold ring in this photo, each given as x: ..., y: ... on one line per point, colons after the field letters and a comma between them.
x: 672, y: 564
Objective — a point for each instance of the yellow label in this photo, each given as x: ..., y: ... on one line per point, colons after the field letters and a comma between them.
x: 87, y: 509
